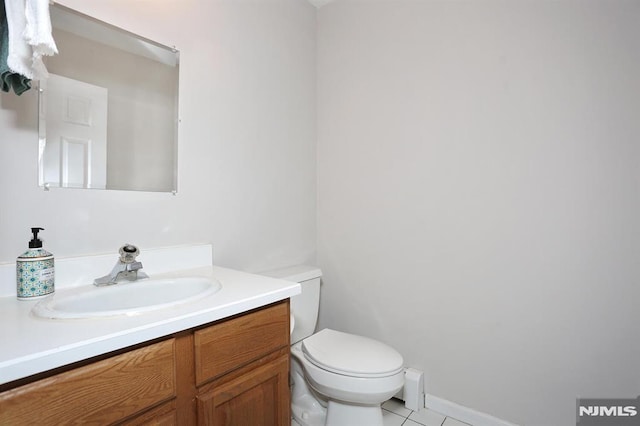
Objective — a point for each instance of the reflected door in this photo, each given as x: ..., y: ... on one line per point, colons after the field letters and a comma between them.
x: 75, y: 152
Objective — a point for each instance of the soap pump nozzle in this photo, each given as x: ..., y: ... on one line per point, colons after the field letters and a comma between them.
x: 35, y: 242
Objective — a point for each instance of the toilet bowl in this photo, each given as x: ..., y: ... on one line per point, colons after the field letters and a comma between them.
x: 352, y: 375
x: 338, y: 379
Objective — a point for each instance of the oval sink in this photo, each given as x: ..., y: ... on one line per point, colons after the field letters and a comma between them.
x: 125, y: 298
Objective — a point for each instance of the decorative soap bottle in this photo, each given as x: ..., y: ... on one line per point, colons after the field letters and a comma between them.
x: 35, y: 273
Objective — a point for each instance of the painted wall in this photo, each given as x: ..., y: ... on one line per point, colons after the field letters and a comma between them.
x: 478, y: 194
x: 247, y: 178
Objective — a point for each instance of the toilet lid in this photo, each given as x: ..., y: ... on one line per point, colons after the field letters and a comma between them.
x: 351, y: 355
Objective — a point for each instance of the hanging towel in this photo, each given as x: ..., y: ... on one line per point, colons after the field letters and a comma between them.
x: 38, y: 34
x: 38, y: 28
x: 8, y: 79
x: 20, y: 57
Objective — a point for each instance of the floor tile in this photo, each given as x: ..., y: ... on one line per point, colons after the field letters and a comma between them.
x: 453, y: 422
x: 411, y: 423
x: 391, y: 419
x: 396, y: 406
x: 427, y: 417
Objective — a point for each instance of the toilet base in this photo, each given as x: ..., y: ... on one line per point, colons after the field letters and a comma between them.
x: 306, y: 407
x: 340, y: 414
x: 308, y: 412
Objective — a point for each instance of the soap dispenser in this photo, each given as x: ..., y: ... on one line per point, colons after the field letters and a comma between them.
x: 35, y: 273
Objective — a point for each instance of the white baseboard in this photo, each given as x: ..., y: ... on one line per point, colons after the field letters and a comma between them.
x: 464, y: 414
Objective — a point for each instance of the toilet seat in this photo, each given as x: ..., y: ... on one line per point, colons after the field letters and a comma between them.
x: 351, y: 355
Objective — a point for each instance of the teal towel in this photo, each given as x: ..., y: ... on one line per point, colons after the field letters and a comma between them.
x: 9, y: 79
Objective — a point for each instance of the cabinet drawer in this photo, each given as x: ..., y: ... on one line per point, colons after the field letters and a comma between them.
x: 98, y: 393
x: 233, y: 343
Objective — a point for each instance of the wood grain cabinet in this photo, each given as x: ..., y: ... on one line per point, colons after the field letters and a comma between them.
x: 242, y: 370
x: 233, y: 372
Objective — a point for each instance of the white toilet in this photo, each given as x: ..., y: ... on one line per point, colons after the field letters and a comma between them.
x: 339, y: 379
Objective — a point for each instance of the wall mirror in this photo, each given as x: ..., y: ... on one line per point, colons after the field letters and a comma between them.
x: 108, y: 113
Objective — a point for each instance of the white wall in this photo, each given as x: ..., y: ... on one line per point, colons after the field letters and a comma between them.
x: 479, y: 196
x: 247, y: 178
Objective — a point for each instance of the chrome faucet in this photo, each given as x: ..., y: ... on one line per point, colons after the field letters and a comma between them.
x: 127, y: 268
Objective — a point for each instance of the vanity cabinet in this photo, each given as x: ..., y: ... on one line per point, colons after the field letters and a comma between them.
x: 242, y: 370
x: 230, y: 372
x: 102, y: 392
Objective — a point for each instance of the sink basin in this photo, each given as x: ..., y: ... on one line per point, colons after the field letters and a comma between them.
x: 125, y: 298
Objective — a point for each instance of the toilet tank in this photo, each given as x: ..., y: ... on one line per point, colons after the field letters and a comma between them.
x: 304, y: 306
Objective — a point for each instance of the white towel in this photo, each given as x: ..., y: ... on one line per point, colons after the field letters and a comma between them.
x: 29, y: 37
x: 39, y: 69
x: 20, y: 57
x: 38, y: 34
x: 38, y: 28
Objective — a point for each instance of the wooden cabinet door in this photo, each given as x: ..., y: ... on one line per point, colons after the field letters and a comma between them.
x: 259, y: 397
x: 164, y: 415
x: 104, y: 392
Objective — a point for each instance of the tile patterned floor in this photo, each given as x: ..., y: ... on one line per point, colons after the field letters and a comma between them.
x: 394, y: 413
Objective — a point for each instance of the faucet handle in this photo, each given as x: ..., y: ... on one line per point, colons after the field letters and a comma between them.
x: 128, y: 253
x: 134, y: 266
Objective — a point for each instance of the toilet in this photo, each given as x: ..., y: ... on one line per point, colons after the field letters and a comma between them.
x: 339, y: 379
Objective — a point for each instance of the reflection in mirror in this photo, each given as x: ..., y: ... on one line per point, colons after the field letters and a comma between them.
x: 109, y: 109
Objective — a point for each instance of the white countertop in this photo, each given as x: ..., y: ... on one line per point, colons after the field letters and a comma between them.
x: 31, y: 345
